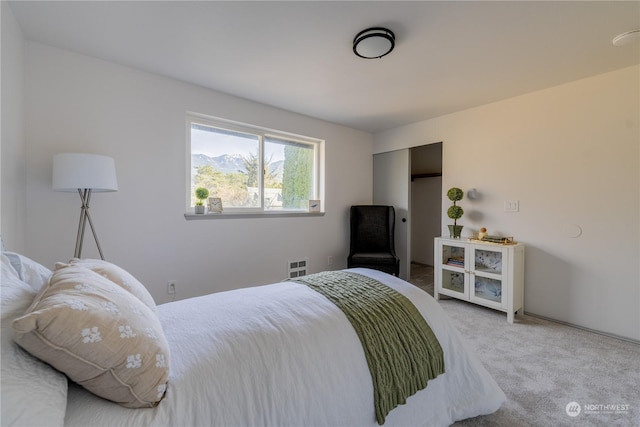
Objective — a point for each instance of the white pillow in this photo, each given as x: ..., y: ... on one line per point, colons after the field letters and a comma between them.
x: 29, y: 271
x: 33, y: 393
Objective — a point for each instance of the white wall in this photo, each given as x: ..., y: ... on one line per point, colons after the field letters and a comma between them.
x: 77, y: 103
x: 13, y: 199
x: 570, y: 155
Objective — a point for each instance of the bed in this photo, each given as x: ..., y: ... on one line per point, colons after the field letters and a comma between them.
x: 279, y: 354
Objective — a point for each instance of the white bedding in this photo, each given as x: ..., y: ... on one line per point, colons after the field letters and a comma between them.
x: 283, y: 355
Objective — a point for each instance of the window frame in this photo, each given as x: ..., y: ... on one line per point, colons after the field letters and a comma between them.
x: 261, y: 133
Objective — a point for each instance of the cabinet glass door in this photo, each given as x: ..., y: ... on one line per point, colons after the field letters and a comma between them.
x: 453, y: 271
x: 487, y: 276
x: 453, y: 281
x: 453, y: 255
x: 488, y: 260
x: 487, y: 289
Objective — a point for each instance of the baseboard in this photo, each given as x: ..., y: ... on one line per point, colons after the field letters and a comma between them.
x: 606, y: 334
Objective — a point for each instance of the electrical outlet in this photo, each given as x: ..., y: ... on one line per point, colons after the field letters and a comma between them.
x: 171, y: 287
x: 329, y: 260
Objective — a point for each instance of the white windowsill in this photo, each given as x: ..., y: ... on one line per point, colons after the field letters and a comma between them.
x: 229, y: 215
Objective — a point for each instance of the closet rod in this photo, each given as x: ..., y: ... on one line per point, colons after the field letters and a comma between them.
x: 425, y: 175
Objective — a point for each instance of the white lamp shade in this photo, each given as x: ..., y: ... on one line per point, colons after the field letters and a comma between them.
x: 72, y: 171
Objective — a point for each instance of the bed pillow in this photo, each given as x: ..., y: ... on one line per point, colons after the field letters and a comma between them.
x: 29, y: 271
x: 100, y: 335
x: 33, y: 393
x: 120, y: 277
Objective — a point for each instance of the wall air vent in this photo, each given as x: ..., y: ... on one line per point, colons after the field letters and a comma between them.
x: 297, y: 268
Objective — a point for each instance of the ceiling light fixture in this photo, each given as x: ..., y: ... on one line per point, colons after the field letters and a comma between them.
x: 374, y: 42
x: 626, y: 38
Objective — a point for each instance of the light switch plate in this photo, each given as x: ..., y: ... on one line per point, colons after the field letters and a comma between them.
x: 511, y: 205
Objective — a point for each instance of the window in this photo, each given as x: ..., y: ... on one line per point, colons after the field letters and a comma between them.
x: 252, y: 169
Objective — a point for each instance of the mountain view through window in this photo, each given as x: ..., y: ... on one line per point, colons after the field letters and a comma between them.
x: 252, y: 171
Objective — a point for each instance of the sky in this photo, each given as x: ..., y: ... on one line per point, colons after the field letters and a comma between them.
x: 214, y: 144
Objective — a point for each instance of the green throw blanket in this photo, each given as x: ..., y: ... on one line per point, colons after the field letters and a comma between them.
x: 402, y: 352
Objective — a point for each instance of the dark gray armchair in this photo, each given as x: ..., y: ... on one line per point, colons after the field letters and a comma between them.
x: 372, y: 239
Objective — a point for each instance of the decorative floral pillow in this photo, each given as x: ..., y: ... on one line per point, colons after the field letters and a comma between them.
x: 118, y: 276
x: 100, y: 335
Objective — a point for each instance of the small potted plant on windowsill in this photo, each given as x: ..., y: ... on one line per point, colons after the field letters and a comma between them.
x: 455, y: 212
x: 201, y: 194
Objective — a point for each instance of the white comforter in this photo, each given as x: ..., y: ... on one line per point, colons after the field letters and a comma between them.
x: 283, y: 355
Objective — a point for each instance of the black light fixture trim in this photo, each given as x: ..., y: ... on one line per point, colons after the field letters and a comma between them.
x: 374, y: 32
x: 626, y: 38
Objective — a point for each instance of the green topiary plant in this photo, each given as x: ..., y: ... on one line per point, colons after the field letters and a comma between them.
x: 201, y: 194
x: 455, y: 212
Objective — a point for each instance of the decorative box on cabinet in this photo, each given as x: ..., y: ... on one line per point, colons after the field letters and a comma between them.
x: 488, y: 274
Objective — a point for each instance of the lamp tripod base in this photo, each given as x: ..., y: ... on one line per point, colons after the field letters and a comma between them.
x: 85, y: 196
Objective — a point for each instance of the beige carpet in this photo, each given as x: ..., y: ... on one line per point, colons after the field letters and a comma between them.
x: 422, y: 276
x: 544, y: 366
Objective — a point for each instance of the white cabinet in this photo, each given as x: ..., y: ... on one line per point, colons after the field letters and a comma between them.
x: 488, y: 274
